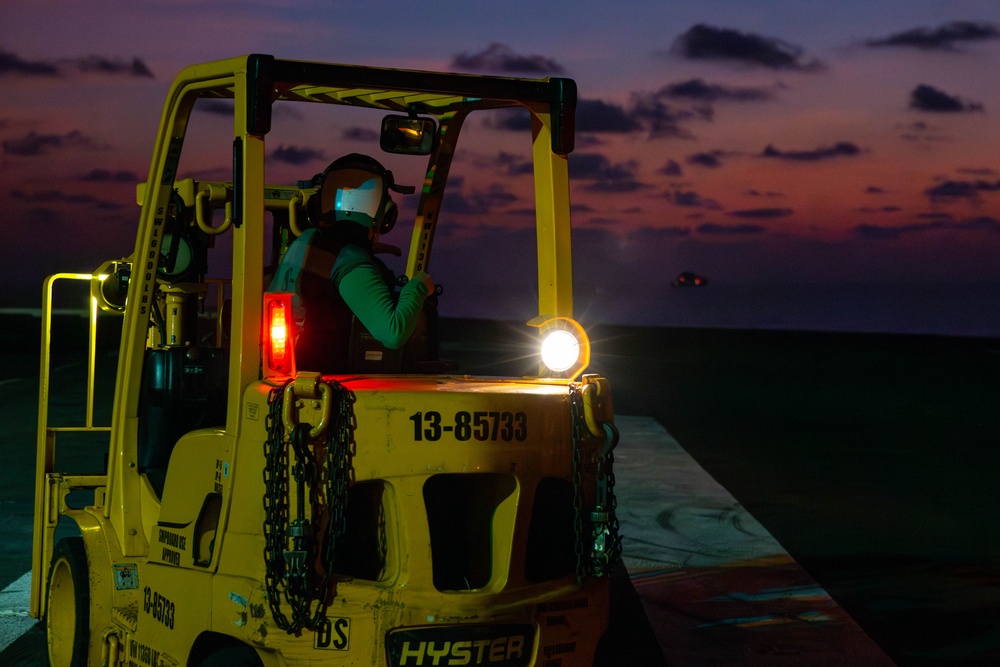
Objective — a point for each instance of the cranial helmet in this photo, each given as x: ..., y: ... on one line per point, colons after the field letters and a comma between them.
x: 355, y: 188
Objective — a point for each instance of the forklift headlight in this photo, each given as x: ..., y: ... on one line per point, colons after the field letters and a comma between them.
x: 560, y: 350
x: 565, y: 349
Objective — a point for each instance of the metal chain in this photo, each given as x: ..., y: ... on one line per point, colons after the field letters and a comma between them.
x: 603, y: 544
x: 607, y: 543
x: 288, y: 574
x: 339, y: 450
x: 613, y: 504
x: 275, y: 504
x: 576, y: 429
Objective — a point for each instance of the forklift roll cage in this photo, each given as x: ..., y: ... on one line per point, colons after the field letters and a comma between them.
x: 125, y: 504
x: 255, y: 83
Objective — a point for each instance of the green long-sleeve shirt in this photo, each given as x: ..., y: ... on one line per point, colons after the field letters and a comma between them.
x: 360, y: 283
x: 363, y: 288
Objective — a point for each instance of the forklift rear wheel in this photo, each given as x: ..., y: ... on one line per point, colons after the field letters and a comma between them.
x: 67, y: 617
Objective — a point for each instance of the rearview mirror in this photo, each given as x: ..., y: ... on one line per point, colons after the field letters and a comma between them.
x: 408, y: 135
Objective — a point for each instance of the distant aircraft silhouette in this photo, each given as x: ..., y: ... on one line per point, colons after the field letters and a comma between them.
x: 688, y: 279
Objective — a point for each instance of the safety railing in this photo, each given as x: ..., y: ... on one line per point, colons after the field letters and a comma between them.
x: 52, y: 488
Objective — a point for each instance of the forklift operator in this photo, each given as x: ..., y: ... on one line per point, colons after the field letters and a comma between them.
x: 333, y: 271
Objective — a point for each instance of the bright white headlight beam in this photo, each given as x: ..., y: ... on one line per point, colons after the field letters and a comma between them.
x: 560, y: 350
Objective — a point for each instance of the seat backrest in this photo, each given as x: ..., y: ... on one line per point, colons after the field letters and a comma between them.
x: 183, y: 389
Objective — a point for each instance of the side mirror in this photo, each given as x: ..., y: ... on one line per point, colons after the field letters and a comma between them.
x: 109, y: 286
x: 408, y: 135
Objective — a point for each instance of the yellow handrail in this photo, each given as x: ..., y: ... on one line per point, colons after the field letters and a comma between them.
x: 44, y: 523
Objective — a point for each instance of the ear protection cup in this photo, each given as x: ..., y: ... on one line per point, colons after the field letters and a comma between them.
x: 313, y: 208
x: 389, y: 216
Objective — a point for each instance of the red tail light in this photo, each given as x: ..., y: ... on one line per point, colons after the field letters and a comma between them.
x: 279, y: 348
x: 279, y: 330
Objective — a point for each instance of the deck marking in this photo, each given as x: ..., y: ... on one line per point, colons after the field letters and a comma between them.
x: 14, y: 619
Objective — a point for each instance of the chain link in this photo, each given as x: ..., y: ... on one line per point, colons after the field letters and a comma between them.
x: 304, y: 573
x: 337, y: 473
x: 597, y: 551
x: 607, y: 543
x: 275, y: 504
x: 576, y: 430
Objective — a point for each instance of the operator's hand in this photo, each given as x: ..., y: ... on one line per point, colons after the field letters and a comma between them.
x: 426, y: 280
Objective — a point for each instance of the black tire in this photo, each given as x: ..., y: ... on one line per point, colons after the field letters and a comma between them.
x: 233, y: 656
x: 67, y: 605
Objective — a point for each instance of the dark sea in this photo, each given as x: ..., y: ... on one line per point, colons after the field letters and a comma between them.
x: 857, y: 424
x: 969, y: 310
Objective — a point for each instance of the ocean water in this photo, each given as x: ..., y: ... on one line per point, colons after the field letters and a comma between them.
x: 941, y: 309
x: 961, y: 309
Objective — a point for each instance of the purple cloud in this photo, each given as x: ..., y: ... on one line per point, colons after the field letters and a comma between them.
x: 108, y: 66
x: 13, y: 64
x: 296, y: 155
x: 706, y: 159
x: 671, y: 168
x: 34, y: 144
x: 716, y: 229
x: 598, y: 116
x: 955, y: 190
x: 663, y: 119
x: 880, y: 232
x: 477, y: 202
x: 108, y: 176
x: 501, y: 58
x: 942, y: 38
x: 761, y: 213
x: 60, y: 197
x: 841, y: 148
x: 359, y: 134
x: 928, y: 98
x: 605, y: 176
x: 703, y: 42
x: 697, y: 89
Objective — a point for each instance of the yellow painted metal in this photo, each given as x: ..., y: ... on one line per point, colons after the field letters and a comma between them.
x: 195, y: 547
x: 552, y: 214
x: 183, y: 533
x: 123, y: 507
x: 62, y: 612
x: 439, y: 165
x: 405, y: 593
x: 248, y: 269
x: 104, y: 596
x: 598, y: 408
x: 307, y: 387
x: 47, y: 500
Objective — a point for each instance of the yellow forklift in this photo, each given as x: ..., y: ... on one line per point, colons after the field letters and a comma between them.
x: 394, y: 511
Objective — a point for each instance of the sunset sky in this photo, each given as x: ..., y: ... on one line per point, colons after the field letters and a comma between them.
x: 824, y: 165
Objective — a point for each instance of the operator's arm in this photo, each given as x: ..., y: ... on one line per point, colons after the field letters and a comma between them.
x: 365, y: 292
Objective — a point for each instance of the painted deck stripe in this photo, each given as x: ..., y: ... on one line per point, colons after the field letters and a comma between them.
x: 14, y: 619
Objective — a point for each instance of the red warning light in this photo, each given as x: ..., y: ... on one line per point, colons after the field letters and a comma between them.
x: 279, y: 351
